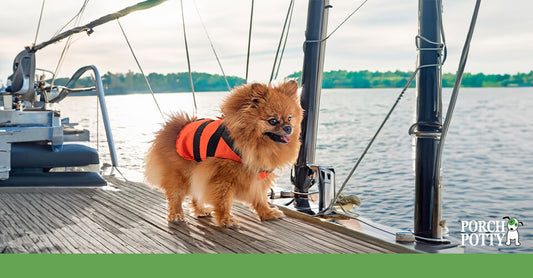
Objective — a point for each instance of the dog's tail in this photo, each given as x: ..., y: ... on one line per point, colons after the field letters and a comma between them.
x: 163, y: 148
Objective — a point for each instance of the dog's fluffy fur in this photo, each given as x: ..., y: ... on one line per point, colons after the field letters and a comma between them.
x: 213, y: 184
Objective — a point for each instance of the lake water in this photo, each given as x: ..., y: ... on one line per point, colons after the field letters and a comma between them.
x: 487, y: 162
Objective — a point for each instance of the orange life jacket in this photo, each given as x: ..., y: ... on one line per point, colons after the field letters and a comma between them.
x: 208, y: 138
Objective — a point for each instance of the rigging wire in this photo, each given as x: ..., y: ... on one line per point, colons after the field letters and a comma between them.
x: 141, y: 69
x: 212, y: 47
x: 73, y: 18
x: 39, y: 23
x: 68, y: 43
x: 289, y: 13
x: 339, y: 26
x: 188, y: 58
x: 249, y: 42
x: 147, y: 4
x: 438, y: 47
x: 346, y: 19
x: 352, y: 171
x: 457, y: 85
x: 285, y: 43
x: 453, y: 100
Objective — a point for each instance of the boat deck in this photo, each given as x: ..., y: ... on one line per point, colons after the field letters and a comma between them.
x: 129, y: 217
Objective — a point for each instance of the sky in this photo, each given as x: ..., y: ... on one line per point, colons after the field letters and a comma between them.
x: 379, y: 37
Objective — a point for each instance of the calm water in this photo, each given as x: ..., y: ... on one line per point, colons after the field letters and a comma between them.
x: 487, y: 159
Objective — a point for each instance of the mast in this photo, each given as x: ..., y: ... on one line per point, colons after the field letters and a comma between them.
x: 429, y: 124
x: 314, y: 48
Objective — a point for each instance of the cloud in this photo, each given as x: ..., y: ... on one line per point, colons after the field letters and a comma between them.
x: 378, y: 37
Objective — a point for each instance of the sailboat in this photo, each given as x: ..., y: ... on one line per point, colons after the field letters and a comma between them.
x: 33, y: 136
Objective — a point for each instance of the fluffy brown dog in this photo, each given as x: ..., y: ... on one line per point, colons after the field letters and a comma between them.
x: 263, y: 125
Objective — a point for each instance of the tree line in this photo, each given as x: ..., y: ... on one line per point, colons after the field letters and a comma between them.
x: 398, y: 79
x: 130, y: 82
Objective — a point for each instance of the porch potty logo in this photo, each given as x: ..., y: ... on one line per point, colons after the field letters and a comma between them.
x: 491, y: 233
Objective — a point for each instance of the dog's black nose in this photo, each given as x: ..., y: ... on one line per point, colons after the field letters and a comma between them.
x: 287, y: 129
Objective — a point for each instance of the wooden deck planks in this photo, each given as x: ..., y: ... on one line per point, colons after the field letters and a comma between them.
x: 131, y: 219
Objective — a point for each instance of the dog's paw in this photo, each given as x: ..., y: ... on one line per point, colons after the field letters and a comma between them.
x: 202, y: 214
x: 175, y: 217
x: 272, y: 213
x: 229, y: 222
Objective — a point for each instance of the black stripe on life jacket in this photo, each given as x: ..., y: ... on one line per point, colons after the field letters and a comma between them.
x: 221, y: 132
x: 229, y: 141
x: 196, y: 142
x: 213, y: 141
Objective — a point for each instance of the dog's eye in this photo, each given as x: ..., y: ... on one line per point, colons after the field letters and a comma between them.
x: 273, y: 121
x: 289, y: 118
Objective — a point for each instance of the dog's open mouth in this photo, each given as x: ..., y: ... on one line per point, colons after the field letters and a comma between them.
x: 284, y: 139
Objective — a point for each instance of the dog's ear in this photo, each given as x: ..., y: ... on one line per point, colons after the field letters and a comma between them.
x: 506, y: 217
x: 258, y: 93
x: 522, y: 223
x: 289, y: 88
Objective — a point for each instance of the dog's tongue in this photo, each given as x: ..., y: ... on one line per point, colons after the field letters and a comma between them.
x: 286, y: 138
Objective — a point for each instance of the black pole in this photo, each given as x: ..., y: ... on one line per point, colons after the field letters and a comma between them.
x: 314, y: 48
x: 429, y: 123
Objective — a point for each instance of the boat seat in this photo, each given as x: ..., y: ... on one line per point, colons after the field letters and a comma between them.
x: 23, y: 76
x: 35, y: 155
x: 30, y: 164
x: 54, y: 179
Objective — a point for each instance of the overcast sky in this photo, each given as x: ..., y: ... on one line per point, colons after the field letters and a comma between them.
x: 378, y: 37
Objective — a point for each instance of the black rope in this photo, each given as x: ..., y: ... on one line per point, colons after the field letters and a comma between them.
x: 249, y: 41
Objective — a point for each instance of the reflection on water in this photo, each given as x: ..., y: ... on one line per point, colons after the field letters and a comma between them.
x: 486, y: 168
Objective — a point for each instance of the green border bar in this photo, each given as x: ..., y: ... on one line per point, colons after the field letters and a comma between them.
x: 252, y: 265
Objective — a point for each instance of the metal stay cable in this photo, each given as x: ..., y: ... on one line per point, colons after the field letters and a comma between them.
x: 441, y: 47
x: 39, y: 23
x: 346, y: 19
x: 249, y: 42
x: 284, y: 43
x: 457, y: 85
x: 339, y: 26
x: 289, y: 13
x: 352, y: 171
x: 188, y: 58
x: 68, y: 43
x: 140, y: 68
x: 73, y: 18
x: 212, y: 47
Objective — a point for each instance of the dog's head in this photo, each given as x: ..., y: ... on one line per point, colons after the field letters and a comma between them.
x: 265, y: 119
x: 512, y: 223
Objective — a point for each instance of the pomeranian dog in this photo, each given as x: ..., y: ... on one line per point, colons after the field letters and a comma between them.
x: 215, y: 162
